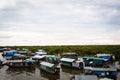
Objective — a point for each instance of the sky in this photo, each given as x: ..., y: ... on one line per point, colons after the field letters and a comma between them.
x: 59, y: 22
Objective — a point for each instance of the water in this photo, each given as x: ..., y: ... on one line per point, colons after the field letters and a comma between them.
x: 7, y: 73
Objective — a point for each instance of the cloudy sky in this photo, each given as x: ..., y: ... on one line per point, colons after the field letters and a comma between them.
x: 59, y: 22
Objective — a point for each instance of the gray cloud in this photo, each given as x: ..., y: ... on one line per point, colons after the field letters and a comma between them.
x: 61, y: 20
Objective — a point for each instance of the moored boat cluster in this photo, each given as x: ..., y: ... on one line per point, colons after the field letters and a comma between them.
x: 98, y: 66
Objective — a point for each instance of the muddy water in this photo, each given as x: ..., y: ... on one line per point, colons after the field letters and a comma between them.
x: 35, y: 74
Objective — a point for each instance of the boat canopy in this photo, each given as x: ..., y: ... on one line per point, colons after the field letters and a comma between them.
x: 14, y: 61
x: 105, y: 79
x: 100, y: 69
x: 67, y: 59
x: 38, y: 57
x: 86, y: 77
x: 41, y: 52
x: 47, y: 64
x: 10, y: 53
x: 95, y: 58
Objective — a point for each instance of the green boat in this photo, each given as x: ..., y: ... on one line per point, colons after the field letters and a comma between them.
x: 73, y: 63
x: 49, y: 67
x: 93, y: 61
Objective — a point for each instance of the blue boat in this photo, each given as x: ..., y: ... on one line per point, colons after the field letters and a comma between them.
x: 104, y: 72
x: 110, y: 57
x: 10, y: 53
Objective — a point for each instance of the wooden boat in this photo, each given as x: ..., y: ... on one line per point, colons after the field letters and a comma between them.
x: 73, y: 63
x: 104, y: 72
x: 93, y: 61
x: 20, y: 63
x: 49, y: 67
x: 84, y: 77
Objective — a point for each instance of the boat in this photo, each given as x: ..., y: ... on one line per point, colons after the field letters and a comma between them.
x: 38, y: 58
x: 84, y: 77
x: 103, y: 72
x: 49, y: 67
x: 96, y: 62
x: 70, y: 55
x: 10, y: 53
x: 109, y: 57
x: 18, y: 56
x: 24, y: 52
x: 41, y: 52
x: 51, y: 59
x: 20, y: 63
x: 73, y: 63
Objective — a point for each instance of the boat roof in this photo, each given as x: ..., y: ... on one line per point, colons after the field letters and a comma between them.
x: 47, y: 64
x: 68, y: 53
x: 100, y: 69
x: 103, y: 54
x: 105, y: 79
x: 10, y: 51
x: 14, y: 61
x: 96, y: 58
x: 67, y: 59
x: 49, y: 55
x: 86, y: 77
x: 38, y: 57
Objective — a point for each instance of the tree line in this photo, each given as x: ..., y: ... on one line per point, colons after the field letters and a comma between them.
x: 81, y: 50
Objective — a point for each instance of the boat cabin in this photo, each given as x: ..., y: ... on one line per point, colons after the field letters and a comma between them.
x: 10, y: 53
x: 70, y: 55
x: 110, y: 57
x: 37, y: 58
x: 50, y: 68
x: 93, y: 61
x: 41, y: 52
x: 72, y: 63
x: 51, y: 58
x: 19, y: 63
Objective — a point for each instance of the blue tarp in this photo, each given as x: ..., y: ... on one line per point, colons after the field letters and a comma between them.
x: 10, y: 53
x: 106, y: 57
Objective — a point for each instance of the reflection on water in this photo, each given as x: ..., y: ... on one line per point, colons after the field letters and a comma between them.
x: 20, y: 70
x: 49, y: 76
x: 7, y: 73
x: 71, y: 71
